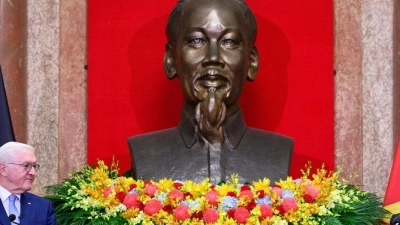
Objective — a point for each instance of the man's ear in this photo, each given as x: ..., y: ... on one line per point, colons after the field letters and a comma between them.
x: 169, y: 62
x: 253, y: 64
x: 2, y: 169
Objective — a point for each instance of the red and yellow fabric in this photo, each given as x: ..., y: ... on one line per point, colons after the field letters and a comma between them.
x: 392, y: 197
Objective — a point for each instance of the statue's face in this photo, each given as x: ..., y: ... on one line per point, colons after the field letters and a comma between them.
x: 212, y: 51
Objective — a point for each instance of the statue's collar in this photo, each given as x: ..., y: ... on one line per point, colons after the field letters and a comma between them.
x: 234, y: 130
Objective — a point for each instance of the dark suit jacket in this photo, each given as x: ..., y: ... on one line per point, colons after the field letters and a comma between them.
x: 176, y: 153
x: 35, y: 210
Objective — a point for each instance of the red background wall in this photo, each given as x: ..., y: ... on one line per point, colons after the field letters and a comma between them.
x: 129, y: 94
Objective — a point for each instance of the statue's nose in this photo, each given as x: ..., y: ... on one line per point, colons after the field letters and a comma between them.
x: 213, y: 55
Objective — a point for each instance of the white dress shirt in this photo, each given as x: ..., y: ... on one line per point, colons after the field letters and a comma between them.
x: 4, y: 194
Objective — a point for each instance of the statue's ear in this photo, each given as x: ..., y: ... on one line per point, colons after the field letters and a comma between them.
x: 253, y: 64
x: 169, y: 62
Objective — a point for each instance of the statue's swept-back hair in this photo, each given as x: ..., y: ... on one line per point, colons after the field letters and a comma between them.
x: 176, y: 15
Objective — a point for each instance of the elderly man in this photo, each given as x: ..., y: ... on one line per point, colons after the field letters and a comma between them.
x: 18, y: 169
x: 211, y: 51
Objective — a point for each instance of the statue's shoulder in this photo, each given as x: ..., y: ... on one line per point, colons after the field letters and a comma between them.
x: 154, y: 136
x: 267, y: 138
x: 156, y: 139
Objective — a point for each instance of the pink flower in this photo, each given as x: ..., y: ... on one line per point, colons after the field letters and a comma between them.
x: 241, y: 215
x: 132, y: 200
x: 210, y: 215
x: 289, y: 204
x: 182, y: 212
x: 152, y: 207
x: 176, y: 195
x: 212, y: 197
x: 247, y: 193
x: 108, y: 191
x: 312, y: 191
x: 151, y: 189
x: 277, y: 190
x: 266, y: 211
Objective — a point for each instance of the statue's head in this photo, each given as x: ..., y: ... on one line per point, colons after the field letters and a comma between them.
x: 211, y: 49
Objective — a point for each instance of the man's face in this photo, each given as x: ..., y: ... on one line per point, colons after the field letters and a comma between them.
x: 14, y: 177
x: 212, y: 51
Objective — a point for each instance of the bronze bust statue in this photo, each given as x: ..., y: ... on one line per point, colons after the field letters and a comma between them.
x: 211, y: 51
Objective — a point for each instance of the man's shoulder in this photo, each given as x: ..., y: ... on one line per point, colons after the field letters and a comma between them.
x: 36, y: 198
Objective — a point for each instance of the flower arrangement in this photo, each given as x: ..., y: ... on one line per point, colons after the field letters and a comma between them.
x: 97, y: 195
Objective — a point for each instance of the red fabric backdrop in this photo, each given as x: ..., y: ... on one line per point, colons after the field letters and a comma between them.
x: 129, y: 94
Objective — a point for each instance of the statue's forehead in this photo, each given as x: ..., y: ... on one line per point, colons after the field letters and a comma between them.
x: 202, y: 12
x: 204, y: 6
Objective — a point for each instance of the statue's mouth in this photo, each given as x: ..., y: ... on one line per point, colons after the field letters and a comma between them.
x: 212, y: 80
x: 215, y: 81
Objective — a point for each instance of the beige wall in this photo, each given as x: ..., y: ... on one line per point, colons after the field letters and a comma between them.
x: 366, y: 102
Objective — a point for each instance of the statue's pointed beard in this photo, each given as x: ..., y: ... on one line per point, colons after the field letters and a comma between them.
x: 210, y: 116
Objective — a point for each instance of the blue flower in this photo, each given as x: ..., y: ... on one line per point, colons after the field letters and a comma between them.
x: 287, y: 194
x: 265, y: 200
x: 133, y: 191
x: 228, y: 203
x: 161, y: 196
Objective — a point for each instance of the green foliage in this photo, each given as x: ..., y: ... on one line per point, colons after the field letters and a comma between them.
x: 361, y: 207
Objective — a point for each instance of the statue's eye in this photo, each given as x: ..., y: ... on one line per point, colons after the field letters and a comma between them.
x: 196, y: 42
x: 230, y: 43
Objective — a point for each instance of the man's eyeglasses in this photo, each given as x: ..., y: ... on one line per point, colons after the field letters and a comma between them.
x: 28, y: 167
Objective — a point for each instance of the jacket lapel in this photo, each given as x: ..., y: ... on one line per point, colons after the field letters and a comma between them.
x: 26, y: 208
x: 3, y: 215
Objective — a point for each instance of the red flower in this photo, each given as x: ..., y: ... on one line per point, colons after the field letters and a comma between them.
x: 289, y: 204
x: 146, y: 182
x: 280, y: 209
x: 212, y: 197
x: 151, y: 189
x: 182, y: 212
x: 231, y: 194
x: 176, y: 195
x: 247, y: 193
x: 132, y: 186
x: 245, y: 188
x: 177, y: 185
x: 251, y: 205
x: 231, y: 213
x: 188, y: 194
x: 168, y: 209
x: 261, y: 193
x: 132, y: 200
x: 210, y: 215
x: 308, y: 198
x: 152, y: 207
x: 241, y: 215
x: 213, y: 187
x: 198, y: 215
x: 120, y: 196
x: 266, y: 211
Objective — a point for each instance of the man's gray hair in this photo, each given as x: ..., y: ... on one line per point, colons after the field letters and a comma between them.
x: 7, y: 150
